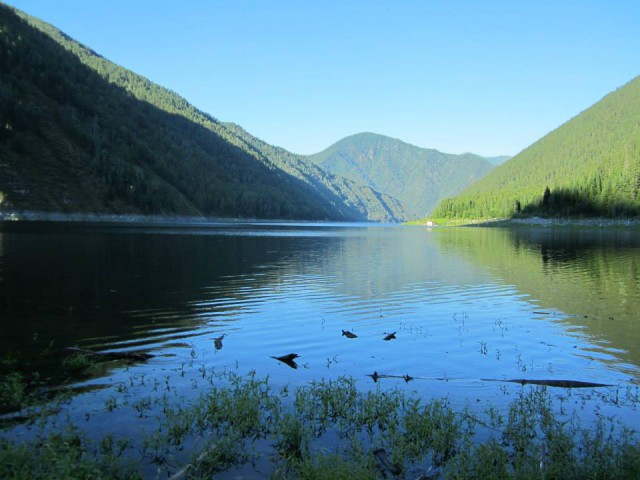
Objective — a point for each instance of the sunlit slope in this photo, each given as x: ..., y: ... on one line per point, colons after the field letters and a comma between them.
x: 417, y: 177
x: 82, y: 134
x: 591, y: 165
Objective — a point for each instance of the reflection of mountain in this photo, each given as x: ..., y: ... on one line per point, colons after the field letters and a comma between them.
x: 69, y: 283
x: 114, y: 287
x: 61, y: 284
x: 397, y: 259
x: 593, y: 275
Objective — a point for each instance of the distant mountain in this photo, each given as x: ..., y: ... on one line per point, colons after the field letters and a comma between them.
x: 588, y: 166
x: 360, y: 199
x: 499, y: 160
x: 417, y: 177
x: 81, y: 134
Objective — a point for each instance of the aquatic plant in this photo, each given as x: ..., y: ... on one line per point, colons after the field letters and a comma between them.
x: 66, y: 455
x: 12, y: 392
x: 333, y: 429
x: 77, y: 362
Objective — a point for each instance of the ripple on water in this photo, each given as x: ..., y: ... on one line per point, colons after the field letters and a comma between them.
x: 464, y: 306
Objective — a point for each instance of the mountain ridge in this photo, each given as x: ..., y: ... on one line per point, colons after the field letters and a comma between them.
x: 418, y: 177
x: 82, y: 134
x: 590, y: 165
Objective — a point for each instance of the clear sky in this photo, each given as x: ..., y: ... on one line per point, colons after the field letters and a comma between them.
x: 483, y: 76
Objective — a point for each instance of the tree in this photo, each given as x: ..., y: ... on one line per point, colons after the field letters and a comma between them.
x: 546, y: 196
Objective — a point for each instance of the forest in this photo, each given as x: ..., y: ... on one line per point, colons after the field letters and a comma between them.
x: 82, y: 134
x: 590, y: 166
x: 418, y: 177
x: 79, y: 133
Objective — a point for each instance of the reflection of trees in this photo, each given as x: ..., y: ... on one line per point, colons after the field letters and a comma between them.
x: 61, y: 286
x: 383, y: 262
x: 112, y: 285
x: 591, y: 274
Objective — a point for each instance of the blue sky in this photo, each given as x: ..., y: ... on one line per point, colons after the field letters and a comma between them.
x: 489, y: 77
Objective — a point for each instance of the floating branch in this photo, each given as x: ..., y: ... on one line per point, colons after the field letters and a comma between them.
x: 375, y: 376
x: 217, y: 342
x: 288, y: 359
x: 134, y: 356
x: 557, y: 383
x: 522, y: 381
x: 348, y: 334
x: 390, y: 336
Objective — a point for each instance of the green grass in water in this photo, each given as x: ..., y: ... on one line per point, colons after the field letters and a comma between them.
x: 332, y: 430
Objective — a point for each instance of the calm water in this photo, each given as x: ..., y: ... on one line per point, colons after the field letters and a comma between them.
x: 469, y: 307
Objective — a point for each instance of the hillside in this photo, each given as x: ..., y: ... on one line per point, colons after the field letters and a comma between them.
x: 357, y: 196
x: 81, y: 134
x: 588, y: 166
x: 499, y: 160
x: 417, y: 177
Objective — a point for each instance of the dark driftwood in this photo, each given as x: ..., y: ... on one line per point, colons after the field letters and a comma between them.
x: 217, y: 342
x: 288, y: 359
x: 375, y: 376
x: 522, y: 381
x: 558, y: 383
x: 135, y: 356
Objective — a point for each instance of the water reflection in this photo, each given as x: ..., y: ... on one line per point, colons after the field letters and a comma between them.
x: 592, y: 275
x: 464, y: 304
x: 119, y: 287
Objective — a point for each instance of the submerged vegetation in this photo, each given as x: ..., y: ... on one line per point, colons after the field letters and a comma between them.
x: 328, y: 429
x: 173, y: 415
x: 180, y: 414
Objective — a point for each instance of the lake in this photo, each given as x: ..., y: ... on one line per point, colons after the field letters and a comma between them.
x: 470, y: 308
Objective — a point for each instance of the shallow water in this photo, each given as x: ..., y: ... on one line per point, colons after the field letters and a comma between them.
x: 470, y: 308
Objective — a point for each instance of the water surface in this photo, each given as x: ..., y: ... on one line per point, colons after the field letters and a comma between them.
x: 469, y: 307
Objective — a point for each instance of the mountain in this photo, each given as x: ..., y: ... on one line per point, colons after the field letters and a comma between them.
x: 79, y: 133
x: 417, y: 177
x: 588, y: 166
x: 366, y: 202
x: 499, y: 160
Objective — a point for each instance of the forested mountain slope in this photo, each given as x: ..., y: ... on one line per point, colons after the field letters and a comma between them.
x: 591, y: 166
x: 417, y: 177
x: 357, y: 196
x: 81, y: 134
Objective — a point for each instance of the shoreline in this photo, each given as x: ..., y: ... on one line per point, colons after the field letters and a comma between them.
x: 535, y: 221
x: 545, y: 222
x: 599, y: 222
x: 25, y: 216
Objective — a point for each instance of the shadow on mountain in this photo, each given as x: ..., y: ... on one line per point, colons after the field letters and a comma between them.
x: 566, y: 202
x: 102, y: 139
